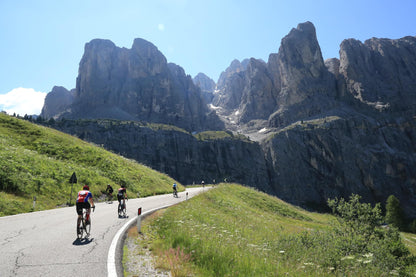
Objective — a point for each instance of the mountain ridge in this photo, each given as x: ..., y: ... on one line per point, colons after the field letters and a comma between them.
x: 336, y: 126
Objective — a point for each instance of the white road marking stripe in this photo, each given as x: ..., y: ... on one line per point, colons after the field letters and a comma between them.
x: 111, y: 258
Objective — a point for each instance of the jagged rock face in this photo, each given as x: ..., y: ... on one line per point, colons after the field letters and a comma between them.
x: 230, y: 86
x: 295, y: 83
x: 177, y: 153
x: 204, y: 82
x: 258, y: 100
x: 138, y: 84
x: 207, y: 86
x: 333, y: 66
x: 381, y: 72
x: 304, y: 85
x: 56, y: 102
x: 335, y: 157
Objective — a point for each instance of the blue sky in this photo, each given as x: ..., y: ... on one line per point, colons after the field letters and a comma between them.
x: 42, y: 41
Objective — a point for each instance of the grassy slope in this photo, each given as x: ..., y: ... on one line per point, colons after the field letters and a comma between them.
x: 38, y: 161
x: 237, y: 231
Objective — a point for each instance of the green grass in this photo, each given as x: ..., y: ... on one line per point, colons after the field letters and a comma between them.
x: 36, y: 161
x: 409, y: 240
x: 237, y: 231
x: 219, y: 135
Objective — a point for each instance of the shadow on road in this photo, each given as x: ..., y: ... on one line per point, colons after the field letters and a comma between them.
x: 83, y: 241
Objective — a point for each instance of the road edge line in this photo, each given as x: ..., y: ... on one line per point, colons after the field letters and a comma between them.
x: 111, y: 257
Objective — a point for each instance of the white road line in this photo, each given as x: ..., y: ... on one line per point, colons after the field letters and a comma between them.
x: 111, y: 258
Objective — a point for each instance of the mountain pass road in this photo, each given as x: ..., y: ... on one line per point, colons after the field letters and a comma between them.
x: 44, y: 243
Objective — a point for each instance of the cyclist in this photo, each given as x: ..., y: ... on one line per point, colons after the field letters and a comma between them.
x: 109, y: 192
x: 122, y: 195
x: 84, y: 201
x: 175, y: 190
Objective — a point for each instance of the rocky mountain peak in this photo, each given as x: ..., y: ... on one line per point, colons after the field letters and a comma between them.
x: 56, y: 102
x: 148, y: 56
x: 235, y: 67
x: 300, y: 53
x: 380, y: 72
x: 207, y: 86
x: 137, y: 84
x: 204, y: 82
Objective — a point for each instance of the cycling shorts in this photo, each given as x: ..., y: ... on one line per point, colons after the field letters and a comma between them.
x: 82, y: 205
x: 119, y: 197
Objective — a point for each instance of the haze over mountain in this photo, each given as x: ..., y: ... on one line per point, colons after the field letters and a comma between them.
x: 318, y: 129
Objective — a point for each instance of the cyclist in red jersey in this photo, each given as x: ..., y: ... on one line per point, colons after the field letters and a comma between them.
x: 83, y: 202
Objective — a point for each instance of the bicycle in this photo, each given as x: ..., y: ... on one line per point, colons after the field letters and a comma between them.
x: 175, y: 193
x: 122, y: 209
x: 85, y: 226
x: 109, y: 198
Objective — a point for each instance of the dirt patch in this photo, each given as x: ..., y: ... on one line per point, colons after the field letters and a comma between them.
x: 139, y: 260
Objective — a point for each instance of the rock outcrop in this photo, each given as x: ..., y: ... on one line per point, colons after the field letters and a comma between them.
x: 137, y: 84
x: 56, y: 102
x: 188, y: 158
x: 230, y: 86
x: 207, y: 86
x: 336, y: 156
x: 293, y: 84
x: 381, y: 72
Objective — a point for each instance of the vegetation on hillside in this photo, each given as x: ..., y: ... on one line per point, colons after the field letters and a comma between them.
x: 237, y: 231
x: 36, y: 161
x: 219, y: 135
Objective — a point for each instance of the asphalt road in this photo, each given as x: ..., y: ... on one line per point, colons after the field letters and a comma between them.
x: 44, y: 243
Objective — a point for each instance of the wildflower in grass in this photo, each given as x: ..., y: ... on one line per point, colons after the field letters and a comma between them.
x: 368, y: 255
x: 394, y: 272
x: 309, y: 264
x: 351, y: 257
x: 282, y: 251
x: 367, y: 261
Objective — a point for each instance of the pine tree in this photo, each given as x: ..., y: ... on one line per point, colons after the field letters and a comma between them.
x: 394, y: 212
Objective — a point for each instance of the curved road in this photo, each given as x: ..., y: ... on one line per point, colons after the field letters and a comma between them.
x: 44, y: 243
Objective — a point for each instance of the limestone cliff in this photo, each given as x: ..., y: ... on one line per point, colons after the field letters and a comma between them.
x: 207, y: 86
x: 137, y: 84
x: 208, y: 156
x: 56, y: 102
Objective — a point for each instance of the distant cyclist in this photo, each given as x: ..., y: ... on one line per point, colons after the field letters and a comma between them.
x: 175, y: 189
x: 122, y: 195
x: 84, y: 201
x: 109, y: 192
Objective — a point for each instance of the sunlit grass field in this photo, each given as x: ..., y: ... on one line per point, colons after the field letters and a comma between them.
x: 237, y: 231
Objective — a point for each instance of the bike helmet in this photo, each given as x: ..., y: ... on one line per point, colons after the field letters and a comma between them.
x: 86, y: 187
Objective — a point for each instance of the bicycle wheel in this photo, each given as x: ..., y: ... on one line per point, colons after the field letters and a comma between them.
x: 124, y: 210
x: 80, y: 230
x: 87, y: 228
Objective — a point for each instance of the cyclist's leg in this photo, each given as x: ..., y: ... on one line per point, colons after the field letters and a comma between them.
x: 87, y: 219
x: 87, y: 207
x: 79, y: 212
x: 119, y: 203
